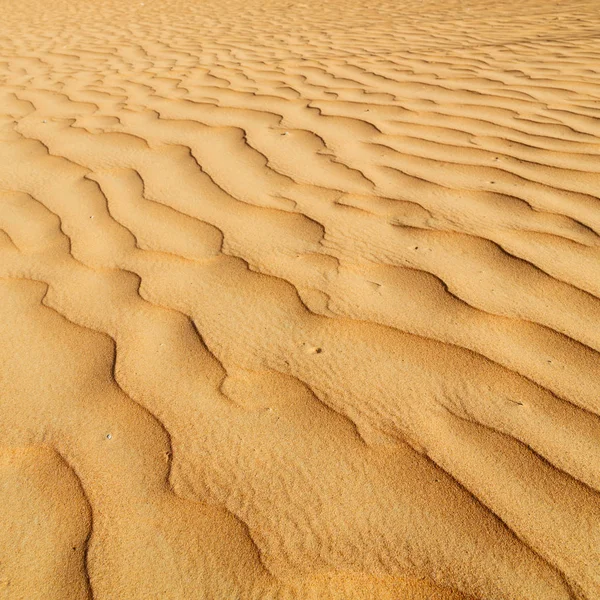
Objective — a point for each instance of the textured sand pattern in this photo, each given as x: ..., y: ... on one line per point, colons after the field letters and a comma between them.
x: 299, y: 300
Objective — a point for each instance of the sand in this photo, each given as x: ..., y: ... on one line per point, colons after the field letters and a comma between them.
x: 299, y: 300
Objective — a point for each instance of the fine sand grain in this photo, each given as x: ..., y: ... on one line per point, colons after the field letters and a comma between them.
x: 299, y: 301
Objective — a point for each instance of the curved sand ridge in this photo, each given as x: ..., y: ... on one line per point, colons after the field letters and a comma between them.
x: 300, y: 300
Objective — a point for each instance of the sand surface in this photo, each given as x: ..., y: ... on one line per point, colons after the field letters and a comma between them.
x: 299, y: 300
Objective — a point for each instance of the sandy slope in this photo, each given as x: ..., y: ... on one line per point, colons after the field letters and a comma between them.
x: 299, y: 300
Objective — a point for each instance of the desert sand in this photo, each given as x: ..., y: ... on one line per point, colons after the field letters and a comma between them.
x: 299, y: 300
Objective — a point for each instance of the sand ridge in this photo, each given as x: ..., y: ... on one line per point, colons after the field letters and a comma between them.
x: 298, y: 300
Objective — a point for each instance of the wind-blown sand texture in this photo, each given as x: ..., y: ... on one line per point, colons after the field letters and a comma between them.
x: 299, y: 300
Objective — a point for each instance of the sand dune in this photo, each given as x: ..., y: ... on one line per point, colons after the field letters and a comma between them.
x: 300, y: 300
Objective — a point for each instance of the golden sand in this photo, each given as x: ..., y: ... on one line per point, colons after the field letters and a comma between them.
x: 299, y: 301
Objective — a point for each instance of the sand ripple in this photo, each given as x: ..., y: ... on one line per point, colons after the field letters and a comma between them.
x: 300, y: 300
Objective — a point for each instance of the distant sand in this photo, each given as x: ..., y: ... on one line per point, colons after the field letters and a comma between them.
x: 299, y: 301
